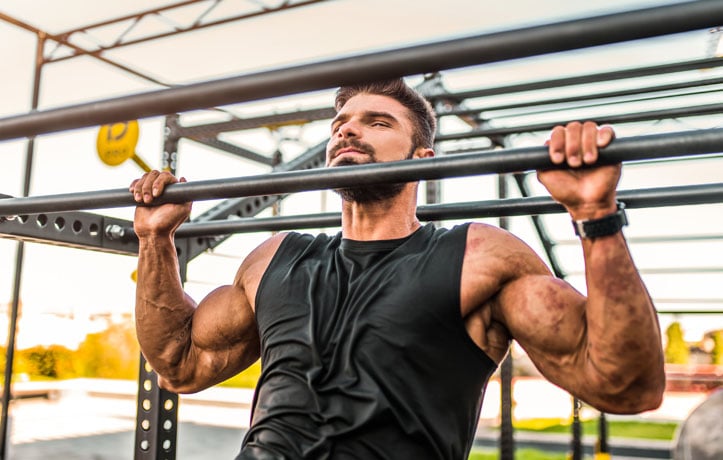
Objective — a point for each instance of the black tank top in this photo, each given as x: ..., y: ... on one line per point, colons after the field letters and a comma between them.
x: 364, y: 351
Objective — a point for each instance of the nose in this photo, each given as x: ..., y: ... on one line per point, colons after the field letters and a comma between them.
x: 348, y: 129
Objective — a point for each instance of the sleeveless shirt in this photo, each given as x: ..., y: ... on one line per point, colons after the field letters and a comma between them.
x: 364, y: 351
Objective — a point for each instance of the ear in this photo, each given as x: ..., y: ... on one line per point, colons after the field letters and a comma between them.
x: 421, y: 152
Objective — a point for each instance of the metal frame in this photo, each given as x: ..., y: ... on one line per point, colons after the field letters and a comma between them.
x: 438, y: 56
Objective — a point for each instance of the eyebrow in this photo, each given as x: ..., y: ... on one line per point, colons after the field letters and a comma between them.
x: 366, y: 115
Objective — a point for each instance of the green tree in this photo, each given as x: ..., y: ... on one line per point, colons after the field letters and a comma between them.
x: 676, y: 350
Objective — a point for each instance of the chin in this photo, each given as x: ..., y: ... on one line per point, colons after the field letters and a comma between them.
x: 350, y: 161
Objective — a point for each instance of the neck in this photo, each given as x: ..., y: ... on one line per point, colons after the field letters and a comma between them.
x: 385, y: 220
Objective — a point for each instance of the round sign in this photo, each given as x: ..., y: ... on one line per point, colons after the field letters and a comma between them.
x: 117, y: 142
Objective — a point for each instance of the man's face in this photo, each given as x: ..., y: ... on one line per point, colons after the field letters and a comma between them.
x: 370, y: 129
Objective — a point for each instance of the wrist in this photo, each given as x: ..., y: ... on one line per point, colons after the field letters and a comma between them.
x: 597, y: 210
x: 155, y: 238
x: 606, y: 225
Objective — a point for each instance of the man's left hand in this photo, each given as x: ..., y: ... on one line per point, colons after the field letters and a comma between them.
x: 587, y: 193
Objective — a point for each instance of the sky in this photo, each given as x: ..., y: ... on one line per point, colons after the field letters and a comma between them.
x: 62, y: 281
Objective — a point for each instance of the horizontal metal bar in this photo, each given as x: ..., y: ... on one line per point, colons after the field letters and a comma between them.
x: 486, y: 48
x: 676, y: 112
x: 690, y: 312
x: 666, y: 271
x: 706, y: 63
x: 73, y: 229
x: 656, y: 239
x: 686, y: 143
x: 234, y: 150
x: 643, y: 198
x: 305, y: 116
x: 277, y: 119
x: 598, y: 96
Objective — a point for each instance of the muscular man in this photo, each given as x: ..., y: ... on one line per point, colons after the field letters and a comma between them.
x: 378, y: 342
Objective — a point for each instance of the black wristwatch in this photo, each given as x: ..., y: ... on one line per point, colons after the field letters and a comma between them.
x: 604, y: 226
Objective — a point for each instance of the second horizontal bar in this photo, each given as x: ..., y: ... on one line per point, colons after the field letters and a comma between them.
x: 680, y: 144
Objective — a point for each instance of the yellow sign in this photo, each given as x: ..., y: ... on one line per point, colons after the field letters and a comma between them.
x: 117, y: 142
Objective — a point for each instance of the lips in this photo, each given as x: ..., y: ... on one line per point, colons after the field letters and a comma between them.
x: 349, y: 150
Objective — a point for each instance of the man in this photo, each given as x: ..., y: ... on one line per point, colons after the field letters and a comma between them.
x: 378, y: 342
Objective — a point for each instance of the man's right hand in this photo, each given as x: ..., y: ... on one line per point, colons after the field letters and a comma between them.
x: 156, y: 220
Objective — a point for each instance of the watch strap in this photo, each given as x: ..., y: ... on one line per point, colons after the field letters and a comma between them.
x: 604, y: 226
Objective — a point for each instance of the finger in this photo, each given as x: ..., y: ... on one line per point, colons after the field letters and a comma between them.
x: 147, y: 186
x: 589, y: 142
x: 132, y: 187
x: 137, y: 188
x: 605, y: 135
x: 556, y: 145
x: 159, y: 184
x: 573, y: 144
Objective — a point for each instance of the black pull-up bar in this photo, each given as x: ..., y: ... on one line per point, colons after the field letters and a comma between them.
x: 643, y: 198
x: 462, y: 52
x: 679, y: 144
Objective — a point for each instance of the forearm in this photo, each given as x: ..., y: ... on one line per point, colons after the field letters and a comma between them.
x: 163, y: 310
x: 624, y: 348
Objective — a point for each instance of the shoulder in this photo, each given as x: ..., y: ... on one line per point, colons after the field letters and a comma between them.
x: 256, y: 262
x: 281, y: 244
x: 266, y: 250
x: 501, y: 251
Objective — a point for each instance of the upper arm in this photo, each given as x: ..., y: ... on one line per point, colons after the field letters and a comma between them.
x: 224, y: 334
x: 545, y: 315
x: 603, y: 349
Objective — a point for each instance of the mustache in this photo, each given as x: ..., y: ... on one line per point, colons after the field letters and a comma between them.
x: 357, y: 145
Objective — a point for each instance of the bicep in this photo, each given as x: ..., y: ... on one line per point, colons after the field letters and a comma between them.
x: 224, y: 333
x: 546, y: 316
x: 224, y: 337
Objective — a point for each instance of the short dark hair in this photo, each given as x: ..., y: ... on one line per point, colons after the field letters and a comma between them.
x: 422, y: 114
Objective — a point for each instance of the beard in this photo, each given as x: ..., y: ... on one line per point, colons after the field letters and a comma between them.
x: 366, y: 194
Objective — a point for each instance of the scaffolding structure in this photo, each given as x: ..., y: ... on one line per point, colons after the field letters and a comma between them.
x: 486, y: 145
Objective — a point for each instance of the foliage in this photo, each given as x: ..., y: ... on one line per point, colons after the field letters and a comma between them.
x: 113, y: 353
x: 676, y: 350
x: 520, y: 454
x: 717, y: 353
x: 616, y: 428
x: 53, y: 362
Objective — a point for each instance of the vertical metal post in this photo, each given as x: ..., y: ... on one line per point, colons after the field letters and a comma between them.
x: 603, y: 449
x: 19, y: 256
x: 169, y: 161
x: 576, y: 453
x: 157, y: 409
x: 507, y: 439
x: 156, y: 418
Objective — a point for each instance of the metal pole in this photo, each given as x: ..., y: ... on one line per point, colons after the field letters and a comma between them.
x: 507, y: 434
x: 19, y: 256
x: 676, y: 112
x: 680, y: 144
x: 642, y: 198
x: 526, y: 42
x: 706, y: 63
